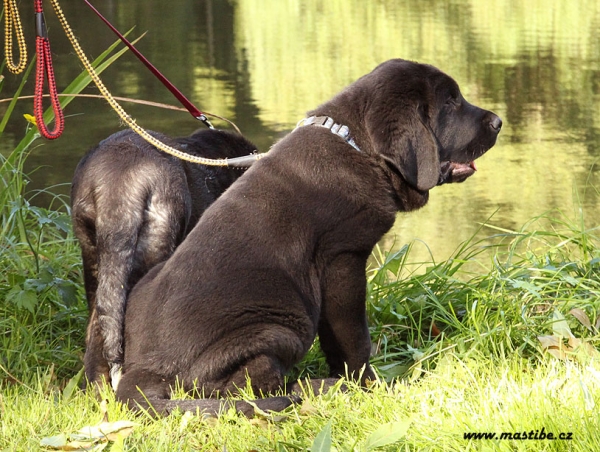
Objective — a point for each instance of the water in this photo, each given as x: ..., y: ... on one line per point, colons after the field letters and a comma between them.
x: 262, y: 64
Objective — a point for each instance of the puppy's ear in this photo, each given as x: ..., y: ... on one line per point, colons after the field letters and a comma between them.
x: 406, y: 141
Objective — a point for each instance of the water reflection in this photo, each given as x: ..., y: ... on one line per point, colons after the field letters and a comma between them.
x: 263, y: 64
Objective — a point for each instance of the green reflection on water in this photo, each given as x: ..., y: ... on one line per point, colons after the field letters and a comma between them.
x: 264, y: 63
x: 537, y: 64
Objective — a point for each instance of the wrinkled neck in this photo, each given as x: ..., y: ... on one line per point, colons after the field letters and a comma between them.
x: 407, y: 197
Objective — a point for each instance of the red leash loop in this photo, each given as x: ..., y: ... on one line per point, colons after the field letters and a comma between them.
x: 45, y: 70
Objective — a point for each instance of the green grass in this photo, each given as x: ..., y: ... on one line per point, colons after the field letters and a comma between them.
x: 496, y: 339
x: 460, y: 396
x: 457, y: 350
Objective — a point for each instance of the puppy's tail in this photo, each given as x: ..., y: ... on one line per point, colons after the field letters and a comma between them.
x: 116, y: 260
x: 119, y: 234
x: 142, y: 232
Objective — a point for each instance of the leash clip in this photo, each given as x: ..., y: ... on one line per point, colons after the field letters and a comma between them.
x: 205, y: 120
x: 40, y: 26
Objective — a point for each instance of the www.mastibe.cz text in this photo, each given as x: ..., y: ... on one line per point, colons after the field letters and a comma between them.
x: 539, y: 435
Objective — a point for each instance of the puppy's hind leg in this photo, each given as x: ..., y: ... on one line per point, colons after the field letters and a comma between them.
x: 145, y: 390
x: 141, y: 389
x: 265, y: 374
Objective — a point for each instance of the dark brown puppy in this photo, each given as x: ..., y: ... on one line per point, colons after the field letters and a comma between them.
x: 132, y: 205
x: 281, y: 256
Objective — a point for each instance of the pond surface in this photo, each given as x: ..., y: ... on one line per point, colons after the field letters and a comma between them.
x: 263, y: 64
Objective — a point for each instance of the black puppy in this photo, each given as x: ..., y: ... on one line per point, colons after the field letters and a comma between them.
x: 132, y: 205
x: 281, y: 256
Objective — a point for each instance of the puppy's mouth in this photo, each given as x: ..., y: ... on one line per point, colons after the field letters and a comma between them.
x: 453, y: 172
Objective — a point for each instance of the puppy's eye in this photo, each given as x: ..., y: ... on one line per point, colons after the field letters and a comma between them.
x: 453, y: 102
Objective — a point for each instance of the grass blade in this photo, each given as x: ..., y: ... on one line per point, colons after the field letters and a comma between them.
x: 387, y: 434
x: 322, y: 442
x: 15, y: 98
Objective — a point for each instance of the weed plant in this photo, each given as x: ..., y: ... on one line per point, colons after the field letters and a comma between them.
x: 546, y: 271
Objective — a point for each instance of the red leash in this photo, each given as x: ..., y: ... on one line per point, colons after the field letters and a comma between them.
x: 178, y: 94
x: 44, y: 70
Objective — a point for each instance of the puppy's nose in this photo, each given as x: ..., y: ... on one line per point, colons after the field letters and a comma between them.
x: 496, y: 123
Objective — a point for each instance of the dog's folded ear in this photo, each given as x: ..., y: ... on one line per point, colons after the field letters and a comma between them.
x: 404, y: 139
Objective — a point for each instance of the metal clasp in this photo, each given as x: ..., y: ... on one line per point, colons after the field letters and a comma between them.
x: 40, y: 26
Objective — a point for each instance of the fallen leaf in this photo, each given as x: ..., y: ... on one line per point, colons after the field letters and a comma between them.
x: 109, y: 430
x: 557, y: 348
x: 579, y: 344
x: 557, y: 353
x: 54, y: 441
x: 435, y: 331
x: 583, y: 318
x: 542, y: 308
x: 554, y: 346
x: 308, y: 408
x: 262, y: 423
x: 574, y: 342
x: 549, y: 341
x: 61, y: 442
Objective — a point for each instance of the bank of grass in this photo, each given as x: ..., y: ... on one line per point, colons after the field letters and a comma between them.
x: 474, y: 395
x: 457, y: 351
x: 510, y: 347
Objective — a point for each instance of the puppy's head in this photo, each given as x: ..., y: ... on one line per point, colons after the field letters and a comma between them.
x: 419, y: 122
